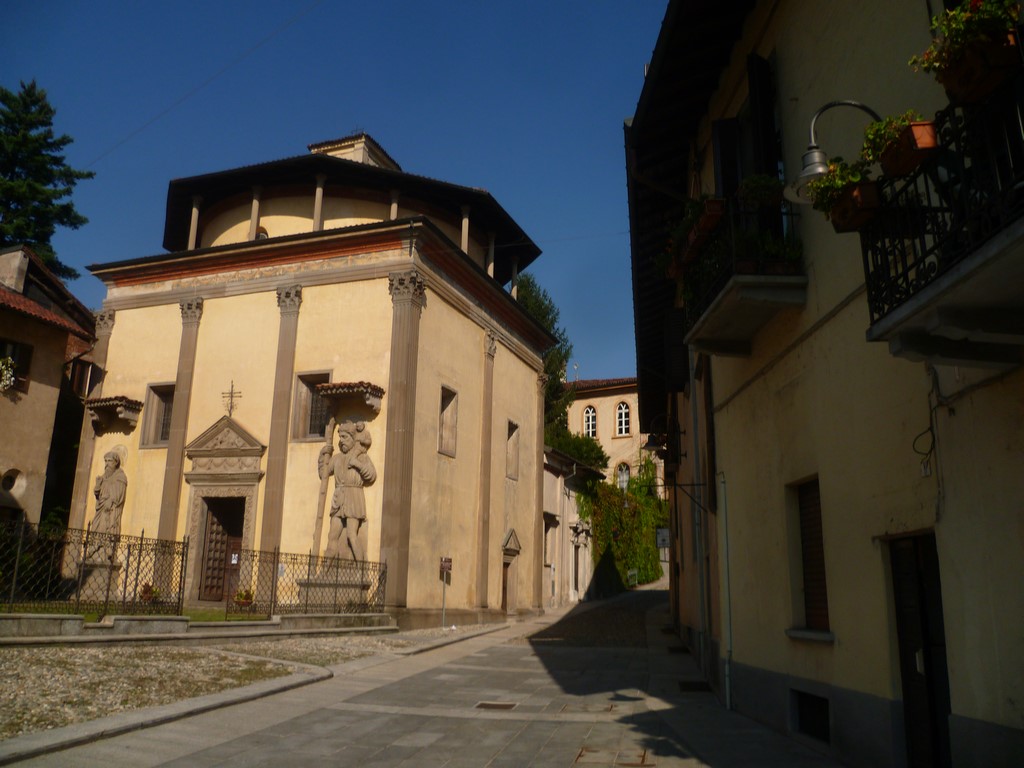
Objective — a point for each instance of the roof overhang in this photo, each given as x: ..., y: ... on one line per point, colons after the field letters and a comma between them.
x: 693, y: 48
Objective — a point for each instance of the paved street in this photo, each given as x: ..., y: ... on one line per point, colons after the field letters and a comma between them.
x: 498, y: 700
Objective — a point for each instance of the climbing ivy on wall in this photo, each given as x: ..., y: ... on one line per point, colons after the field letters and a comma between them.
x: 624, y: 527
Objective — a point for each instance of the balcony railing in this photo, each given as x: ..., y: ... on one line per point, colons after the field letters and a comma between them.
x: 749, y: 268
x: 932, y: 220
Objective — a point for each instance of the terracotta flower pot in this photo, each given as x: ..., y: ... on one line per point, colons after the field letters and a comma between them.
x: 855, y: 208
x: 983, y: 67
x: 916, y: 143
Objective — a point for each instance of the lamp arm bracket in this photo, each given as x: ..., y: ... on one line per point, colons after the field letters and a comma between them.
x: 840, y: 103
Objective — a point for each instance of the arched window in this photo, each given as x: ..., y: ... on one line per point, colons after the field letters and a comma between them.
x: 590, y: 421
x: 622, y: 475
x: 622, y: 419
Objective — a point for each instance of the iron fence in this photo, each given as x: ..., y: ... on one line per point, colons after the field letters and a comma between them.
x: 271, y: 582
x: 935, y: 217
x: 49, y: 570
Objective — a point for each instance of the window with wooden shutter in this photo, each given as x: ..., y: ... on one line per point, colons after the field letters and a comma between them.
x: 812, y: 550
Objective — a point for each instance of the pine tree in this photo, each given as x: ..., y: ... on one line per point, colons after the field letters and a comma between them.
x: 35, y: 181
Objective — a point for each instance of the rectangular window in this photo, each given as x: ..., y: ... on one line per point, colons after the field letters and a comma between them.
x: 21, y: 354
x: 512, y: 452
x: 156, y: 425
x: 448, y: 421
x: 812, y: 556
x: 312, y: 410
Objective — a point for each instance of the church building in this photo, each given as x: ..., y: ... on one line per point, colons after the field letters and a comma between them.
x: 326, y: 360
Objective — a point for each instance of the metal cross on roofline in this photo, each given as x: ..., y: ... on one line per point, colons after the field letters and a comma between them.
x: 230, y: 396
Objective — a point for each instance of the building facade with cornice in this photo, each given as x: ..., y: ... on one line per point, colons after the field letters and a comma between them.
x: 606, y: 410
x: 45, y: 334
x: 329, y: 289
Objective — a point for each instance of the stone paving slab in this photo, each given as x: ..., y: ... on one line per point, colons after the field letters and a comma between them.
x: 584, y: 705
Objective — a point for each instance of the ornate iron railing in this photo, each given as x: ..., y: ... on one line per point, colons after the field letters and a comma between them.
x: 47, y: 570
x: 267, y: 583
x: 933, y: 218
x: 749, y: 240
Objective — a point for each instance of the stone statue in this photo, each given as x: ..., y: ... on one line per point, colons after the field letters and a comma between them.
x: 109, y: 490
x: 352, y: 469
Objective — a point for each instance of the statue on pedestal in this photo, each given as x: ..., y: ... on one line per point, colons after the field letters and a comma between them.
x: 352, y: 470
x: 110, y: 489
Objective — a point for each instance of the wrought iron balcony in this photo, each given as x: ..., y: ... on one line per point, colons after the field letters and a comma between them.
x: 748, y: 269
x: 944, y: 256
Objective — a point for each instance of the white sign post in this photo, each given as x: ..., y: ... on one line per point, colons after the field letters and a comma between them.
x: 446, y: 574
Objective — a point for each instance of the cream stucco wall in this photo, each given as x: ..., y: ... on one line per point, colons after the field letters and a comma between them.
x: 621, y: 449
x: 446, y: 489
x: 143, y: 350
x: 292, y: 214
x: 349, y: 345
x: 514, y: 503
x: 980, y: 537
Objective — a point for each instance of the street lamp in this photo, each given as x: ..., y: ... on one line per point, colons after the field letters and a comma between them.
x: 815, y: 160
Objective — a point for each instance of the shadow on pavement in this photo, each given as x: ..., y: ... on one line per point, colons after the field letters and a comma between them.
x: 599, y: 653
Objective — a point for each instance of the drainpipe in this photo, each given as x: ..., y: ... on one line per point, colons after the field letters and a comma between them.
x: 728, y: 597
x: 695, y: 507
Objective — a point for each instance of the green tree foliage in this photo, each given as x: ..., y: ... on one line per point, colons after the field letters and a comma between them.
x: 624, y: 524
x: 586, y: 450
x: 539, y: 304
x: 35, y: 181
x: 557, y: 396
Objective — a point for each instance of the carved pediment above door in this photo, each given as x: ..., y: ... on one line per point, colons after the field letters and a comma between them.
x: 225, y: 453
x: 510, y: 544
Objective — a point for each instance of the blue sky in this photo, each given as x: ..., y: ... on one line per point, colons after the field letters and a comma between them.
x: 525, y: 99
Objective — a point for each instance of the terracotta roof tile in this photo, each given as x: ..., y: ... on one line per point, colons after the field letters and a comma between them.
x: 25, y: 306
x: 586, y: 385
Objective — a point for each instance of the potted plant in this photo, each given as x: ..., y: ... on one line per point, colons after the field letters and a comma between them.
x: 243, y: 598
x: 696, y: 223
x: 148, y: 593
x: 7, y: 375
x: 899, y: 143
x: 845, y: 194
x: 974, y: 48
x: 760, y: 190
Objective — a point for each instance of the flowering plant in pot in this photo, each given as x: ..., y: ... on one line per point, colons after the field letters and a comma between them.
x: 899, y: 142
x: 7, y: 375
x: 243, y: 597
x: 971, y: 45
x: 845, y: 194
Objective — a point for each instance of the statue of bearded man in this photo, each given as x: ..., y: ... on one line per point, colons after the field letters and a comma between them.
x: 110, y: 491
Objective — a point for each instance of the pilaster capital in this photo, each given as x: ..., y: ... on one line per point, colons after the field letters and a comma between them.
x: 191, y: 310
x: 490, y: 345
x: 105, y: 322
x: 289, y: 299
x: 407, y: 288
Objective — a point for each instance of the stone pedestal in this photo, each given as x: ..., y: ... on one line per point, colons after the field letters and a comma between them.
x: 96, y: 575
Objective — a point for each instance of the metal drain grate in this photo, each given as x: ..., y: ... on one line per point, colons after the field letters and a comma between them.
x: 495, y: 705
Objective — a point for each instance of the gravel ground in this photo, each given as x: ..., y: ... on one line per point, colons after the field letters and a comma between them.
x: 53, y: 686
